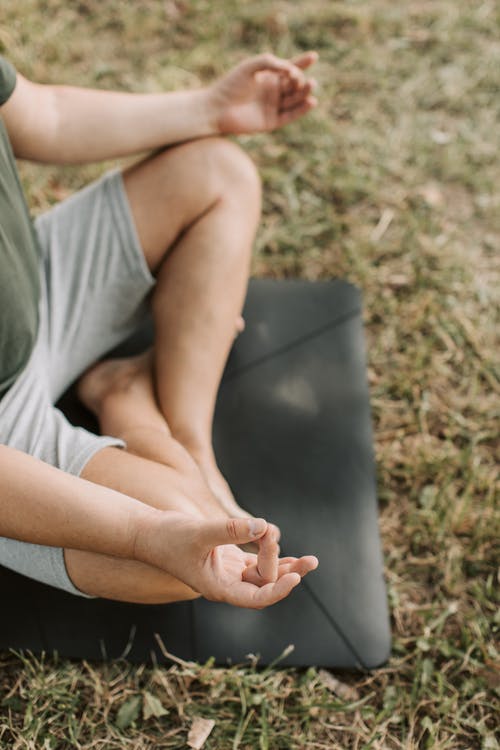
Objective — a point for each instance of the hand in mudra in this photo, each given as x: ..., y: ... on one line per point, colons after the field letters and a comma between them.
x: 263, y: 93
x: 205, y: 556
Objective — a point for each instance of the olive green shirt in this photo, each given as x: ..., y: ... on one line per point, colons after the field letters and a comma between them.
x: 19, y: 274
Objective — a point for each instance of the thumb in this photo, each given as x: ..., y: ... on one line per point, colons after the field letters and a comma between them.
x: 232, y: 531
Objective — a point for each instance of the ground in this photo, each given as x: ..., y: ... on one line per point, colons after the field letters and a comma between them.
x: 393, y: 184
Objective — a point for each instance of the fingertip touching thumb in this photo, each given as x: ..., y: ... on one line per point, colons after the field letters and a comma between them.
x: 234, y: 531
x: 256, y: 527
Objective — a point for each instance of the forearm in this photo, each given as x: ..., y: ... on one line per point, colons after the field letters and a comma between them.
x: 43, y: 505
x: 95, y: 125
x: 68, y: 125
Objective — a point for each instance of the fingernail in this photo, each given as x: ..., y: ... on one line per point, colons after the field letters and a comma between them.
x: 256, y: 526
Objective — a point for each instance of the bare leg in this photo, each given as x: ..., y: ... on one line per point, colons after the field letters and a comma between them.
x: 124, y: 580
x: 202, y: 201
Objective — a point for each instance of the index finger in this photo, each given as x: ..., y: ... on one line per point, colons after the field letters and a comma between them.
x: 267, y: 556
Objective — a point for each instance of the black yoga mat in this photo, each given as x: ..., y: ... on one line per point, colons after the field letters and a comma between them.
x: 293, y: 436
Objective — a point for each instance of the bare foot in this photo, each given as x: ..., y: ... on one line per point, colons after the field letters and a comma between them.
x: 134, y: 373
x: 111, y: 375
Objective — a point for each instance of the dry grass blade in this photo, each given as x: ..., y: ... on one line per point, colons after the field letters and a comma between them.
x: 173, y: 657
x: 346, y: 692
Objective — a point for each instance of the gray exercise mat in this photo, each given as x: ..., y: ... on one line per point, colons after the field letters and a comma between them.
x: 293, y: 436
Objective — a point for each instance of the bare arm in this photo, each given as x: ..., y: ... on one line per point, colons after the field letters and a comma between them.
x: 43, y: 505
x: 64, y: 124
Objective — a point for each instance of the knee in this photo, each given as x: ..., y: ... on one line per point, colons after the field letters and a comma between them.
x: 234, y: 171
x: 236, y: 166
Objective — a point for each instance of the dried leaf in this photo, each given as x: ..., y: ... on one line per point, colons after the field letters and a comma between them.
x: 129, y: 712
x: 199, y: 732
x: 346, y: 692
x: 152, y: 706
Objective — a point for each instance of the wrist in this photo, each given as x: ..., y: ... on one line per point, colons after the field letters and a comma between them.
x: 143, y: 527
x: 212, y: 109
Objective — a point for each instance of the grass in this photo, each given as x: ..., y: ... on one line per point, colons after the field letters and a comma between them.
x: 392, y: 183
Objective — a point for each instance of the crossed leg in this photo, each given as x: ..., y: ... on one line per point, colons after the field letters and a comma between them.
x: 196, y: 209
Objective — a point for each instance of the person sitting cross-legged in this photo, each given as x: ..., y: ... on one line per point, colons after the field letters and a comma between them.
x: 141, y: 512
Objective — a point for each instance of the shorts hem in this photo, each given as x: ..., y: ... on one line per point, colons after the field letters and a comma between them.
x: 60, y: 573
x: 82, y: 458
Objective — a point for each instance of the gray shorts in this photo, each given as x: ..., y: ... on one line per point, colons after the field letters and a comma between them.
x: 94, y: 288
